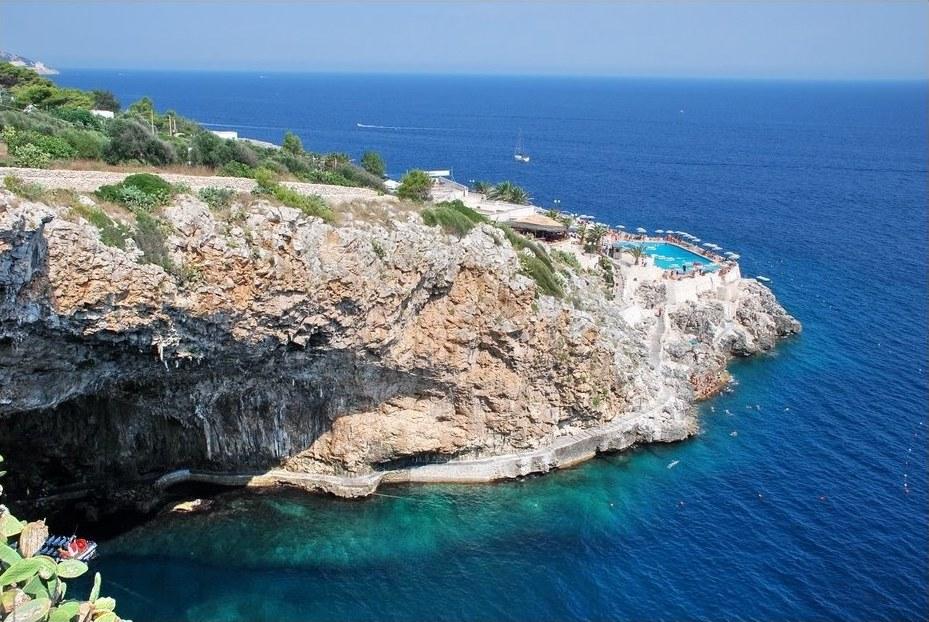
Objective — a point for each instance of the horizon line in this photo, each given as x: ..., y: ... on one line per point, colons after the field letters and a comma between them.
x: 477, y: 74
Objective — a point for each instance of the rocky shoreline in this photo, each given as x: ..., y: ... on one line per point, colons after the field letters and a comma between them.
x: 337, y: 357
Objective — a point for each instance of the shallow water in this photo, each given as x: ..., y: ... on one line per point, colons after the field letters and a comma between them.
x: 804, y: 496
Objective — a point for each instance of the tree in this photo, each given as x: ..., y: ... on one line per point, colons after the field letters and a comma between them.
x: 595, y: 236
x: 131, y: 140
x: 637, y: 251
x: 416, y: 186
x: 482, y: 187
x: 372, y: 162
x: 105, y: 100
x: 292, y: 144
x: 509, y: 192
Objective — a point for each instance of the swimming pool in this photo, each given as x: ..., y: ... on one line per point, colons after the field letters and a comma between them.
x: 671, y: 256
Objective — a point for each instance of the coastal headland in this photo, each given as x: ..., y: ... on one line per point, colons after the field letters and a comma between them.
x: 270, y: 347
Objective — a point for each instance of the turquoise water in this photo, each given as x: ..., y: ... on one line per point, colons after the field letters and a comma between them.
x: 672, y: 257
x: 816, y: 509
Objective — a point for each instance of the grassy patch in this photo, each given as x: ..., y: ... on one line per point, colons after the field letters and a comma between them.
x: 150, y: 236
x: 542, y: 274
x: 311, y: 205
x: 453, y: 216
x: 568, y: 259
x: 112, y: 233
x: 24, y: 189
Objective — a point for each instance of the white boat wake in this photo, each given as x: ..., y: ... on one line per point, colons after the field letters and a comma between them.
x: 368, y: 126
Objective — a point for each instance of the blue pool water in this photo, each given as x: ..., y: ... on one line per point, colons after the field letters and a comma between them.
x: 815, y: 510
x: 673, y: 257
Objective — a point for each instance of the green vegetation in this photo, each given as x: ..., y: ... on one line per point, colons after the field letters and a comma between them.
x: 26, y: 190
x: 150, y: 236
x: 608, y: 277
x: 637, y: 251
x: 416, y: 186
x: 509, y: 192
x: 33, y: 587
x: 534, y: 267
x: 453, y: 216
x: 56, y: 125
x: 112, y: 233
x: 140, y: 191
x: 311, y: 205
x: 292, y: 144
x: 372, y: 162
x: 594, y: 237
x: 217, y: 198
x: 569, y: 259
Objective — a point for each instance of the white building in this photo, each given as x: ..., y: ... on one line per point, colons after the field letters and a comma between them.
x: 105, y: 114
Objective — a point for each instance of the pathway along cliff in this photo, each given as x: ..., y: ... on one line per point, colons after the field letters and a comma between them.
x: 334, y: 357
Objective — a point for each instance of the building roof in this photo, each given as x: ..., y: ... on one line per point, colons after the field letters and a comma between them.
x: 538, y: 222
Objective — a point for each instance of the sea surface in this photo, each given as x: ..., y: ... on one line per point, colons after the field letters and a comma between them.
x: 805, y: 495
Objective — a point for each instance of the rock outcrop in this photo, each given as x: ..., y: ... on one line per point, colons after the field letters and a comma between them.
x: 349, y: 352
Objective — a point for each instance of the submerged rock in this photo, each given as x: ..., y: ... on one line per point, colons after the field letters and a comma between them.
x: 281, y: 343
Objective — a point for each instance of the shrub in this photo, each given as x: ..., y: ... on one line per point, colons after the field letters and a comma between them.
x: 141, y: 191
x: 311, y: 205
x: 372, y: 162
x: 131, y: 140
x: 79, y: 116
x: 415, y: 186
x: 29, y: 156
x: 237, y: 169
x: 111, y: 232
x: 26, y: 190
x: 292, y: 144
x: 216, y: 198
x: 533, y: 267
x: 569, y: 259
x: 211, y: 150
x: 86, y: 144
x: 105, y: 100
x: 149, y: 236
x: 54, y: 146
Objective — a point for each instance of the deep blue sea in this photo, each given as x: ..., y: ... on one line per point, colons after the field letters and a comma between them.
x: 816, y: 510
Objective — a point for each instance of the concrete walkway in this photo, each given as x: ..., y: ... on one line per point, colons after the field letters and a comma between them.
x: 565, y: 451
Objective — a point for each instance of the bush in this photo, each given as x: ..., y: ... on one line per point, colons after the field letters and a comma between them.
x: 217, y: 198
x: 149, y: 236
x: 140, y: 191
x: 131, y: 140
x: 292, y: 144
x: 26, y: 190
x: 29, y: 156
x: 453, y: 216
x: 86, y: 144
x: 311, y: 205
x: 569, y: 259
x: 79, y: 116
x: 415, y: 186
x: 372, y: 162
x: 209, y: 149
x: 105, y: 100
x: 54, y: 146
x: 533, y: 267
x: 237, y: 169
x: 111, y: 232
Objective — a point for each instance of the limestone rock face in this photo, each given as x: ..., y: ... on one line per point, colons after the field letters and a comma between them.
x: 279, y: 341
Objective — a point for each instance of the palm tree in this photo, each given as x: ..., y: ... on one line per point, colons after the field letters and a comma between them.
x: 509, y: 192
x: 637, y: 251
x: 596, y: 236
x: 482, y: 187
x: 581, y: 232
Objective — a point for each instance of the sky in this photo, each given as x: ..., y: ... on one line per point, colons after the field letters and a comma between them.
x: 779, y: 40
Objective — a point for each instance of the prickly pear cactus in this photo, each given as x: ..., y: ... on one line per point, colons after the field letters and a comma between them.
x: 32, y: 587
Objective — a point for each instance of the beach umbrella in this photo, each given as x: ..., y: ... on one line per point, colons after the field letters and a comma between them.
x: 729, y: 253
x: 620, y: 226
x: 659, y: 230
x: 693, y: 239
x: 735, y: 255
x: 641, y: 230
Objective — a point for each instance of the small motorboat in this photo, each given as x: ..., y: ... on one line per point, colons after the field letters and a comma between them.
x: 69, y: 547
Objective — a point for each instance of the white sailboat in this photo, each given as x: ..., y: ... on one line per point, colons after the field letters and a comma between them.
x: 519, y: 154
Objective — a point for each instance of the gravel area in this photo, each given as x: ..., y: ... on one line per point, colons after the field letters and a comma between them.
x: 89, y: 181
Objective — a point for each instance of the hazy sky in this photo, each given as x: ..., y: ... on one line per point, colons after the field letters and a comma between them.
x: 725, y: 39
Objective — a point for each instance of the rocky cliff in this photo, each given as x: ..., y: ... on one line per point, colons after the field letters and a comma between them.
x: 350, y: 350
